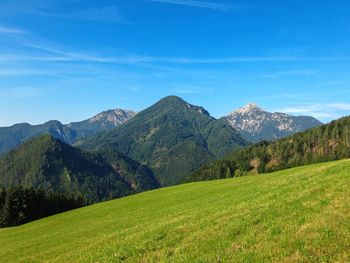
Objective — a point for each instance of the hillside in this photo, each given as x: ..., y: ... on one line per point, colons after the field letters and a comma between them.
x: 297, y: 215
x: 325, y: 143
x: 172, y: 137
x: 255, y: 124
x: 11, y: 137
x: 52, y: 165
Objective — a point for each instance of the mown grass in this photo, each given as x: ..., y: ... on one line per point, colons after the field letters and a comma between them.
x: 297, y: 215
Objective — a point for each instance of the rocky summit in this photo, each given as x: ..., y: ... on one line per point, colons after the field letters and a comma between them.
x: 256, y: 124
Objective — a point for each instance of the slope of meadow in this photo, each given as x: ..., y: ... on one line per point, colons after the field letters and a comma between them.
x: 296, y: 215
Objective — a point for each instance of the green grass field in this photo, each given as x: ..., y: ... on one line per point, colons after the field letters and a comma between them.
x: 297, y: 215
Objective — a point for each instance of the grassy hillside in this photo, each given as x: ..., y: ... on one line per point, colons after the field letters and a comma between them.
x: 297, y: 215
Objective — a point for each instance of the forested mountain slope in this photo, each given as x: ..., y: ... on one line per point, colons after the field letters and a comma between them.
x: 172, y: 137
x: 49, y: 164
x: 324, y: 143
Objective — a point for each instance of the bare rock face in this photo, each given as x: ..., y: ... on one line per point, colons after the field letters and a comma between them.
x: 256, y: 124
x: 112, y: 117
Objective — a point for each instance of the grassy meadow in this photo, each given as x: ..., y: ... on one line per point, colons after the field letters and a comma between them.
x: 296, y: 215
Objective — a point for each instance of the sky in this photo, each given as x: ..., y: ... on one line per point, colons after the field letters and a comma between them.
x: 71, y: 59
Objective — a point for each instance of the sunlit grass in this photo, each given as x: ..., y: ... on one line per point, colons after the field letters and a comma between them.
x: 297, y: 215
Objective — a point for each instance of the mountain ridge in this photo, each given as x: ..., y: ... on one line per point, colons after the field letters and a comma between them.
x: 173, y: 137
x: 13, y: 136
x: 257, y: 124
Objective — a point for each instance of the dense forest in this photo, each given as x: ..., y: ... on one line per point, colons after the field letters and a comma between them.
x: 49, y: 164
x: 20, y: 205
x: 325, y: 143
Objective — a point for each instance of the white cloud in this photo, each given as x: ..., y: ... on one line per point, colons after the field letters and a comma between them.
x: 340, y: 106
x: 324, y: 111
x: 200, y: 4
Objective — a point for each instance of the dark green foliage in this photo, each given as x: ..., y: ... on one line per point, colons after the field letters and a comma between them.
x: 172, y: 137
x: 325, y: 143
x: 139, y: 176
x: 49, y: 164
x: 19, y: 205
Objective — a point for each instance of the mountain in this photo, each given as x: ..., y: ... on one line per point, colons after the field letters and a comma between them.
x: 325, y: 143
x: 11, y: 137
x: 256, y: 124
x: 51, y: 165
x: 104, y: 121
x: 172, y: 137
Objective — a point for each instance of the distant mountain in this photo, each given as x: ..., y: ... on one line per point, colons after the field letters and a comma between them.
x: 104, y: 121
x: 256, y: 124
x: 325, y: 143
x: 172, y: 137
x: 11, y: 137
x: 50, y: 164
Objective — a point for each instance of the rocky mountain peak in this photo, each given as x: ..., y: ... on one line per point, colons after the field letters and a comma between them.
x: 114, y: 117
x: 256, y: 124
x: 250, y: 107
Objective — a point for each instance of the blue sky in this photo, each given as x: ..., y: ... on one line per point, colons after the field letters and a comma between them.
x: 70, y: 59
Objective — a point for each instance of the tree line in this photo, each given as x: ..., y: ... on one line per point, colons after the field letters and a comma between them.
x: 20, y: 205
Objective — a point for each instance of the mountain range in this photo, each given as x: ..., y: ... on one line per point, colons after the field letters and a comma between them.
x: 11, y: 137
x: 252, y: 122
x: 119, y: 152
x: 255, y: 124
x: 172, y: 137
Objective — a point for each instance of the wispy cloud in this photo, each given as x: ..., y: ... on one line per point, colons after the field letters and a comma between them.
x: 289, y: 73
x: 53, y: 8
x: 104, y: 14
x: 22, y: 72
x: 200, y: 4
x: 12, y: 30
x: 226, y: 60
x: 53, y: 54
x: 318, y: 110
x: 50, y: 53
x: 339, y: 106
